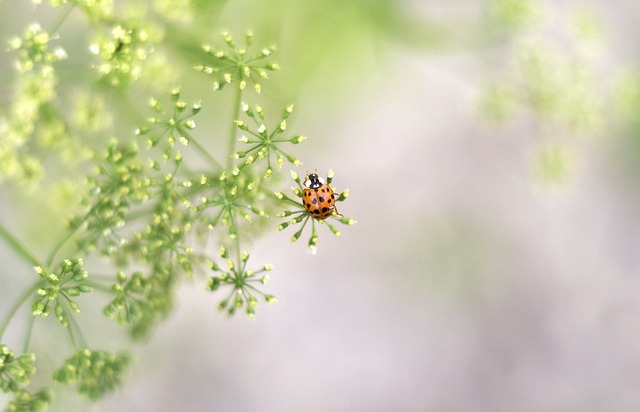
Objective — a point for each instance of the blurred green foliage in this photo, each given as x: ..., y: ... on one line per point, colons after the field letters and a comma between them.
x: 76, y: 84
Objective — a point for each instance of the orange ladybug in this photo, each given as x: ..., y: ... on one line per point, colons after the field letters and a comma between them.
x: 318, y: 197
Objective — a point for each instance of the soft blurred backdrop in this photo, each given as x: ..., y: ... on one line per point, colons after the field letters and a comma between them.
x: 495, y: 265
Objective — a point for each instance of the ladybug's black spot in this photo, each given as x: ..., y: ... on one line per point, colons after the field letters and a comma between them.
x: 321, y: 199
x: 323, y: 190
x: 307, y: 205
x: 325, y: 209
x: 316, y: 190
x: 316, y: 212
x: 314, y: 200
x: 330, y: 200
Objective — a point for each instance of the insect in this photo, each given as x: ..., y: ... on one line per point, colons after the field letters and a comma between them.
x: 318, y: 197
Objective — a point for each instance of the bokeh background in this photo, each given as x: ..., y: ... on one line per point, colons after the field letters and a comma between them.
x: 495, y: 264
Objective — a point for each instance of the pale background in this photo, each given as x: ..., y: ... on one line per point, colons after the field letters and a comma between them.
x: 467, y: 284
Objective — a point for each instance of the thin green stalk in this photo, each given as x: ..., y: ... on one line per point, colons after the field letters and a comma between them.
x: 73, y: 321
x: 61, y: 243
x: 21, y: 300
x: 201, y: 149
x: 62, y: 18
x: 238, y: 253
x: 99, y: 286
x: 73, y: 324
x: 29, y: 331
x: 18, y: 247
x: 71, y: 337
x: 236, y: 240
x: 232, y: 133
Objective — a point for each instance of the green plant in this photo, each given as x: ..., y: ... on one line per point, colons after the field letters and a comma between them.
x: 155, y: 214
x: 555, y: 84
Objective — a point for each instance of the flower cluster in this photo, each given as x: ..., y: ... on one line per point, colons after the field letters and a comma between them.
x: 264, y: 144
x: 95, y: 372
x: 35, y: 89
x: 142, y: 300
x: 301, y: 215
x: 232, y: 197
x: 128, y: 305
x: 172, y: 127
x: 65, y: 284
x: 34, y: 50
x: 237, y: 65
x: 243, y: 284
x: 121, y: 54
x: 121, y: 182
x: 15, y: 371
x: 25, y: 401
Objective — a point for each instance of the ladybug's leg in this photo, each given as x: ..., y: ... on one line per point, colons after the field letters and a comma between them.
x: 335, y: 210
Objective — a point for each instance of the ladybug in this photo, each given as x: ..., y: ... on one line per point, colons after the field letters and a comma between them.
x: 318, y: 197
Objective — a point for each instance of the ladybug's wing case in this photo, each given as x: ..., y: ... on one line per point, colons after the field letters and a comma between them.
x: 319, y: 201
x: 331, y: 202
x: 325, y: 201
x: 311, y: 202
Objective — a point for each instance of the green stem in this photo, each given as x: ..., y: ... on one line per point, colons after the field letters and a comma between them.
x: 232, y: 133
x: 73, y: 324
x: 18, y: 247
x: 241, y: 264
x: 23, y: 298
x: 27, y: 336
x: 201, y: 149
x: 61, y: 243
x: 62, y: 19
x: 71, y: 337
x: 99, y: 286
x: 236, y: 241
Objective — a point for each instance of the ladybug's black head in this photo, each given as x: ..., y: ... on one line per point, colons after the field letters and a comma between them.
x: 313, y: 181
